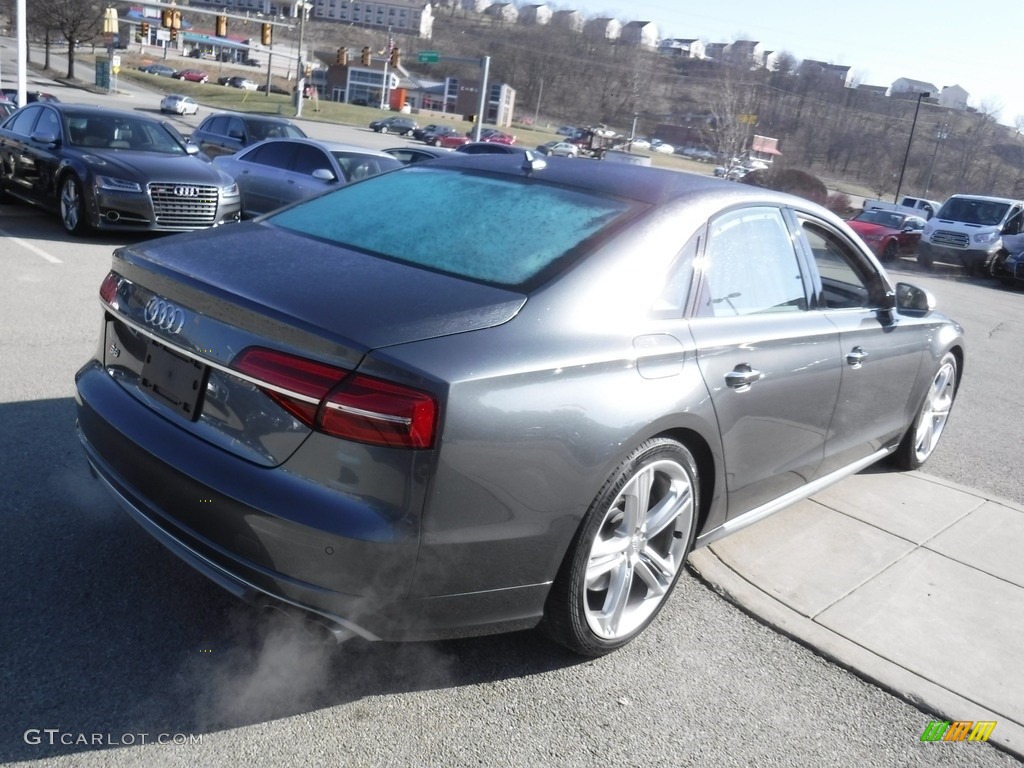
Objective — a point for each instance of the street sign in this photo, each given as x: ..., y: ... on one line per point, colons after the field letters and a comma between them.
x: 428, y: 57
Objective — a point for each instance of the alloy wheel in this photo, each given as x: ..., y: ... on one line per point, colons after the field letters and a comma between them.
x: 638, y: 550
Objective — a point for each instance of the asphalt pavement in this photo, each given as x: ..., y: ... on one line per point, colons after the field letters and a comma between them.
x: 912, y: 582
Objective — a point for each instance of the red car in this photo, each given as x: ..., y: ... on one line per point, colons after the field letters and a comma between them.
x: 451, y: 141
x: 888, y: 233
x: 192, y: 75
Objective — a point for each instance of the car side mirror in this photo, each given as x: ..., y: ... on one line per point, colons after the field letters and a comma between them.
x: 45, y: 137
x: 911, y: 300
x: 191, y: 148
x: 324, y: 174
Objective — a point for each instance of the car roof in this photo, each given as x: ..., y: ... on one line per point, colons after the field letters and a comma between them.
x: 330, y: 146
x: 249, y: 118
x: 984, y: 198
x: 644, y: 183
x: 92, y: 109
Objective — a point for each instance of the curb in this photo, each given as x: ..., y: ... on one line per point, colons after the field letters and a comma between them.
x: 866, y: 664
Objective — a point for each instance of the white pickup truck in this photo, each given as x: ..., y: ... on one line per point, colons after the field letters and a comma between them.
x: 915, y: 206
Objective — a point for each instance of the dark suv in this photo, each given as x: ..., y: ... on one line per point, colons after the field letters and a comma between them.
x: 402, y: 125
x: 225, y: 134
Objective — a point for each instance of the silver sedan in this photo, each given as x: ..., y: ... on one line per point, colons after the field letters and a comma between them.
x: 276, y: 172
x: 179, y: 105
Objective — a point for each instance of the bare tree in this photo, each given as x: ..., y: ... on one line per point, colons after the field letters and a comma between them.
x: 73, y: 19
x: 732, y: 105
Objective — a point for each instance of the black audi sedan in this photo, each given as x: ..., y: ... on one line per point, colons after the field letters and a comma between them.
x: 107, y: 169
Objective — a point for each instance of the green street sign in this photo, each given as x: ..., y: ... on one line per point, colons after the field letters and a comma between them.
x: 428, y: 57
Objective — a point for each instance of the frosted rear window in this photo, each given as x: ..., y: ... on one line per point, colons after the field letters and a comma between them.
x: 496, y: 229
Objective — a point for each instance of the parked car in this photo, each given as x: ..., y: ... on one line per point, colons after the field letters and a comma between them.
x: 276, y: 172
x: 731, y: 172
x: 450, y: 140
x: 462, y: 398
x: 967, y: 231
x: 107, y: 169
x: 1010, y: 268
x: 234, y: 81
x: 432, y: 134
x: 488, y: 148
x: 226, y: 132
x: 410, y: 155
x: 493, y: 134
x: 888, y: 234
x: 568, y: 130
x: 161, y: 70
x: 31, y: 97
x: 192, y: 75
x: 403, y: 126
x: 912, y: 206
x: 274, y: 88
x: 559, y: 149
x: 662, y: 148
x: 179, y: 105
x: 640, y: 143
x: 6, y: 108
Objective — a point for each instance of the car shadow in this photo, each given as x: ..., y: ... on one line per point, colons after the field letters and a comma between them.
x: 106, y: 632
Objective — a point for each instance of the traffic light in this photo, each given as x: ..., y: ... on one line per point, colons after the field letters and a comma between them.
x: 365, y: 58
x: 167, y: 18
x: 342, y: 56
x: 174, y: 34
x: 394, y: 57
x: 222, y: 26
x: 266, y: 34
x: 144, y: 31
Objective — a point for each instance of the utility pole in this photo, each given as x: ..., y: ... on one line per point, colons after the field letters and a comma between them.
x: 300, y: 67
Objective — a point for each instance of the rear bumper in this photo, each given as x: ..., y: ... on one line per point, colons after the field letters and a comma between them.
x: 266, y: 533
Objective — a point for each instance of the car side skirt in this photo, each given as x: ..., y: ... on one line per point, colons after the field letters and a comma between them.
x: 760, y: 513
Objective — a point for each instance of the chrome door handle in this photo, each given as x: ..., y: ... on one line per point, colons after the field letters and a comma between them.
x: 856, y: 357
x: 741, y: 377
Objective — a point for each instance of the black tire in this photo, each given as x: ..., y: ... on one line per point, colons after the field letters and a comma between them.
x: 436, y: 143
x: 71, y: 206
x: 922, y: 436
x: 995, y: 267
x: 628, y: 552
x: 383, y: 129
x: 889, y: 252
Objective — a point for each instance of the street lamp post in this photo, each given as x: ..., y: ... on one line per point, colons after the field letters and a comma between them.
x: 910, y: 140
x: 941, y: 134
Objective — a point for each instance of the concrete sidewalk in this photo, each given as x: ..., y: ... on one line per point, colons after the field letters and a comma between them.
x: 912, y: 582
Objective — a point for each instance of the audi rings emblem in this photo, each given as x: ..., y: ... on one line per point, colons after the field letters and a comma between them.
x: 186, y: 191
x: 161, y: 314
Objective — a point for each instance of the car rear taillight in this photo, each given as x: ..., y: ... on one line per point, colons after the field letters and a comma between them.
x: 108, y: 288
x: 379, y: 412
x: 337, y: 402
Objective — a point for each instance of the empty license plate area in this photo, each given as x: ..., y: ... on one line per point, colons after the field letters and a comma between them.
x: 175, y: 380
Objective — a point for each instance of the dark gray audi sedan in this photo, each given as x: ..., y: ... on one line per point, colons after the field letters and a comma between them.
x: 107, y: 169
x: 491, y: 393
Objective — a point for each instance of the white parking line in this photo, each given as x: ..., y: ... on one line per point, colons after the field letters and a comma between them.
x: 29, y: 247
